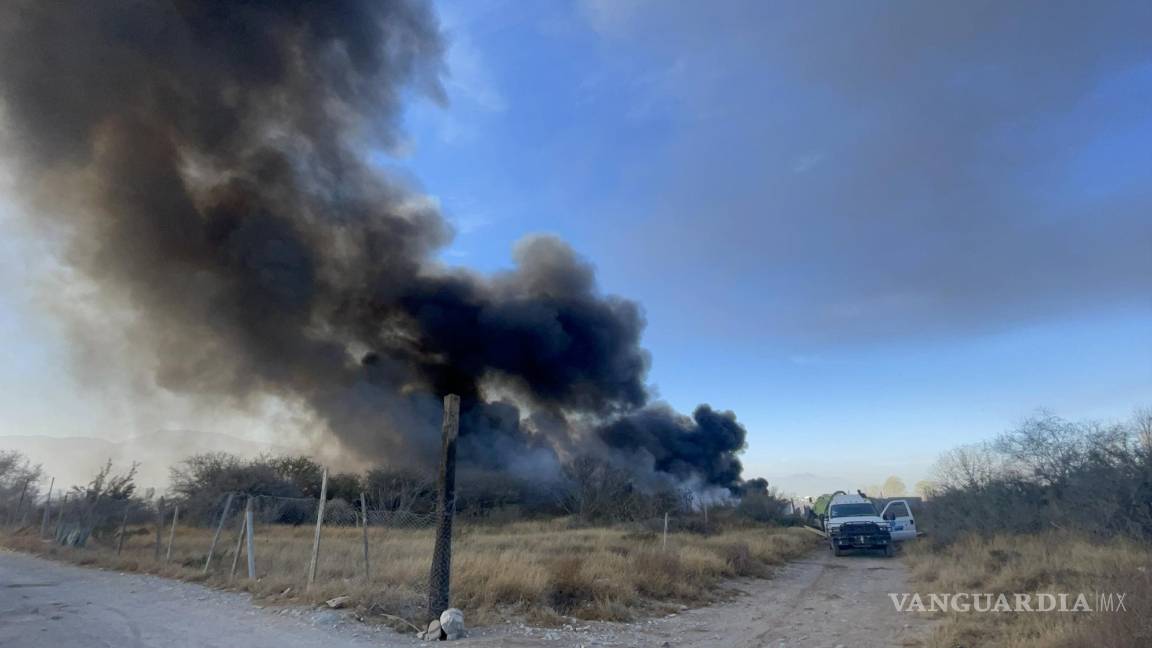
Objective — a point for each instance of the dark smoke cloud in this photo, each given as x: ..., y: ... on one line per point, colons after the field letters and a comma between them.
x: 703, y: 446
x: 206, y: 161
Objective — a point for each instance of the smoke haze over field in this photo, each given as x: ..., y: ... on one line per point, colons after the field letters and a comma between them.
x: 202, y: 163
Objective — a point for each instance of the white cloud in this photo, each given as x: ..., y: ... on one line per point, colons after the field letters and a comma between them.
x: 469, y: 76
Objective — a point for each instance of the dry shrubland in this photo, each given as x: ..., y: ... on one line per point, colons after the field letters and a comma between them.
x: 541, y: 571
x: 1049, y: 473
x: 1053, y: 563
x: 1051, y: 506
x: 516, y: 554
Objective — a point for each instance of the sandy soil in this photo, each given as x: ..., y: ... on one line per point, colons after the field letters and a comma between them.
x: 821, y: 601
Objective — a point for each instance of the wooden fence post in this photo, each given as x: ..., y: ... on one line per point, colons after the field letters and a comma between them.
x: 159, y: 529
x: 15, y: 519
x: 172, y: 532
x: 239, y: 546
x: 364, y: 522
x: 251, y: 539
x: 440, y: 578
x: 60, y: 514
x: 665, y: 530
x: 123, y: 528
x: 219, y: 528
x: 47, y: 508
x: 319, y: 523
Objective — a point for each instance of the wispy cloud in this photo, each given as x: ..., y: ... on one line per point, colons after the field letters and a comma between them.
x: 806, y: 163
x: 470, y: 84
x: 957, y: 202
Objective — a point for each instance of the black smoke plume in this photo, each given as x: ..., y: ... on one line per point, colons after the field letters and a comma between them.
x: 205, y: 163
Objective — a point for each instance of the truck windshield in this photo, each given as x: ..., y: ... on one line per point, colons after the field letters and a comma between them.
x: 849, y: 510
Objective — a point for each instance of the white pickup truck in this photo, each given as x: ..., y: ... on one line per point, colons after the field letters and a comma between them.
x: 853, y: 523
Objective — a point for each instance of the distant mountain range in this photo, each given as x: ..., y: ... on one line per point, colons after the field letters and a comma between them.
x: 75, y: 460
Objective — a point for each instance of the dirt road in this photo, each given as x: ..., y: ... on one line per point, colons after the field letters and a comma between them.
x: 821, y: 601
x: 45, y: 603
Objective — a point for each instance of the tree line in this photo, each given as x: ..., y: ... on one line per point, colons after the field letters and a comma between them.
x: 1049, y: 473
x: 589, y: 488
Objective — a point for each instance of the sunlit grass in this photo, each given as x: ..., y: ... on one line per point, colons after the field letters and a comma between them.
x: 542, y: 571
x: 1053, y: 563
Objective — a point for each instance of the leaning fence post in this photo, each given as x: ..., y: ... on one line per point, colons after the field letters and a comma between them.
x: 219, y: 528
x: 251, y: 539
x: 123, y: 528
x: 440, y: 579
x: 364, y: 522
x: 665, y: 530
x: 47, y: 508
x: 239, y: 545
x: 159, y: 529
x: 172, y: 532
x: 319, y: 523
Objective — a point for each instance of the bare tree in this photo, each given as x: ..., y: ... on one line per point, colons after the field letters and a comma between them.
x: 1142, y: 426
x: 1045, y: 446
x: 969, y: 466
x: 893, y: 487
x: 925, y: 488
x: 1092, y: 477
x: 19, y: 484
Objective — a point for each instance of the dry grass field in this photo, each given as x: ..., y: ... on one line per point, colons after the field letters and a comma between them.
x: 538, y: 571
x: 1052, y: 563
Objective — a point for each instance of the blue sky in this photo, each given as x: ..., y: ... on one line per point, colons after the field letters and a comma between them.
x: 876, y: 263
x: 874, y: 232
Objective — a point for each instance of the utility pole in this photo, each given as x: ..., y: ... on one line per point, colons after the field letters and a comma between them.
x: 441, y: 572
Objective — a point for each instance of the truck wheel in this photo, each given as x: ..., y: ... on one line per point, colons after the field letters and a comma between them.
x: 889, y: 550
x: 837, y: 551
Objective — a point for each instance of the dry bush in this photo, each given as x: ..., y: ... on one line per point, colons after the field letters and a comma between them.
x: 1048, y: 473
x: 499, y: 572
x: 1053, y: 563
x: 1124, y: 630
x: 569, y: 587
